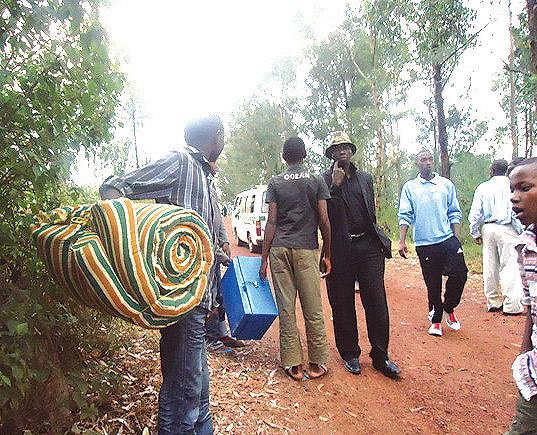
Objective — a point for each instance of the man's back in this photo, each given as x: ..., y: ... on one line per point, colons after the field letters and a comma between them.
x: 296, y: 193
x: 491, y: 203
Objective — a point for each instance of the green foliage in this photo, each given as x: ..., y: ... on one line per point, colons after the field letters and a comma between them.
x: 468, y: 172
x: 58, y: 93
x: 525, y: 89
x: 464, y: 130
x: 338, y: 95
x: 253, y: 153
x: 441, y: 30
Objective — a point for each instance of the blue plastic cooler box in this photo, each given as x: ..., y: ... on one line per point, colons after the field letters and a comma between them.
x: 248, y: 300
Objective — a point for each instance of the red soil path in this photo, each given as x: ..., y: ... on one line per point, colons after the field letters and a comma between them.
x: 458, y: 384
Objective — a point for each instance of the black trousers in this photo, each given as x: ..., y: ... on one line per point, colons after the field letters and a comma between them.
x: 445, y: 258
x: 367, y: 267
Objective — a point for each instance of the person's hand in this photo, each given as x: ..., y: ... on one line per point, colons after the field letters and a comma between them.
x: 326, y: 267
x: 263, y: 269
x: 403, y: 249
x: 338, y: 175
x: 478, y: 240
x: 109, y: 192
x: 226, y: 249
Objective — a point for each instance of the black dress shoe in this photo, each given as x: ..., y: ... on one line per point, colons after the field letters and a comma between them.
x: 388, y: 368
x: 353, y: 366
x: 495, y: 309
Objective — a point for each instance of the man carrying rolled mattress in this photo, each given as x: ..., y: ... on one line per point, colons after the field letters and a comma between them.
x: 181, y: 178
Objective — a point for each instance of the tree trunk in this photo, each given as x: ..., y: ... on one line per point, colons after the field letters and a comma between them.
x: 529, y: 148
x: 441, y: 121
x: 526, y: 130
x: 512, y: 113
x: 532, y: 27
x: 381, y: 148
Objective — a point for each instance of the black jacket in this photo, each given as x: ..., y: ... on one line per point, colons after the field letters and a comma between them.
x: 337, y: 213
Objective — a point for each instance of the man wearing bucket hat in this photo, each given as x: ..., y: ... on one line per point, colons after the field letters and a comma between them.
x: 359, y: 249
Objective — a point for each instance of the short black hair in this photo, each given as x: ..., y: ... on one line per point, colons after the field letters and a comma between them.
x: 499, y: 167
x: 513, y: 163
x: 423, y: 151
x: 202, y: 131
x: 530, y: 161
x: 294, y: 150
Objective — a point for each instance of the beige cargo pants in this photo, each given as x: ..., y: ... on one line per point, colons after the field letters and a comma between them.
x: 297, y: 271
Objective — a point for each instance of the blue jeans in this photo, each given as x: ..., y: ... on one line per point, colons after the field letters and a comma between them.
x: 184, y: 394
x: 217, y: 325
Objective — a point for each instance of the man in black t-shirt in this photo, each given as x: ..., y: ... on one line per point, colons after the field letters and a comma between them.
x: 297, y: 207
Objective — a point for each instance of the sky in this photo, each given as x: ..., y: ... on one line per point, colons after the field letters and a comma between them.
x: 184, y: 58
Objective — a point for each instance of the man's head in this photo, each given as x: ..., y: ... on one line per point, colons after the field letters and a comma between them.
x: 498, y: 167
x: 294, y: 150
x: 524, y: 190
x: 425, y: 162
x: 340, y: 148
x: 207, y: 135
x: 513, y: 163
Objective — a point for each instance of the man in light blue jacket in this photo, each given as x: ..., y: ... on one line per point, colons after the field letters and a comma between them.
x: 429, y: 203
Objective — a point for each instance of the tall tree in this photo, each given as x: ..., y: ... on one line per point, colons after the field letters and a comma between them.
x: 388, y: 56
x: 441, y: 31
x: 518, y: 88
x: 512, y: 90
x: 531, y: 6
x: 253, y: 153
x: 58, y: 93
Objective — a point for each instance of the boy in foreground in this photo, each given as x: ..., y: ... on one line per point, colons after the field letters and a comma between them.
x: 524, y: 198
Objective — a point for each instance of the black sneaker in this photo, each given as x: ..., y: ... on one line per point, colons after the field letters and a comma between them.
x: 353, y: 366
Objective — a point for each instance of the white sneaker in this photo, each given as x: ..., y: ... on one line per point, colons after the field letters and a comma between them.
x: 452, y: 321
x: 430, y: 315
x: 435, y: 329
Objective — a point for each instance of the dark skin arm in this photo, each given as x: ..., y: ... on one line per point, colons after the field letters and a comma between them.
x: 270, y: 230
x: 456, y: 230
x: 526, y: 337
x: 108, y: 192
x: 403, y: 249
x: 324, y: 225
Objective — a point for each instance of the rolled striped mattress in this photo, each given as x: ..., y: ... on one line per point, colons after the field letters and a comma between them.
x: 146, y: 263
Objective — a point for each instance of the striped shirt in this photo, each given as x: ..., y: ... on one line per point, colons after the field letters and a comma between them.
x: 525, y: 365
x: 179, y: 178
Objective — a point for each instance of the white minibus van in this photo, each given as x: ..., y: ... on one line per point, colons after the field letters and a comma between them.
x: 249, y: 217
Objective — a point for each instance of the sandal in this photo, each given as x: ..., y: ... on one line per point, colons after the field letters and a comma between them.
x: 324, y: 371
x: 232, y: 341
x: 295, y: 373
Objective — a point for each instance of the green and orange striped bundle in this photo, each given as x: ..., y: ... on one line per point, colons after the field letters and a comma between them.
x: 146, y: 263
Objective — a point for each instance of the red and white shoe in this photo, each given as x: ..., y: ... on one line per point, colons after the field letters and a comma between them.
x: 435, y: 329
x: 452, y: 321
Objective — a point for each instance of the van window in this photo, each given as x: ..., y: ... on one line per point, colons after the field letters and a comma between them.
x: 264, y: 205
x: 239, y: 206
x: 252, y: 204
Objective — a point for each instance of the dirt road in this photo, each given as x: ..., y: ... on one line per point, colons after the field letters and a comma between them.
x: 457, y: 384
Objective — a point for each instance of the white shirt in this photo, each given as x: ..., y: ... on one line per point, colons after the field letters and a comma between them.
x: 492, y: 203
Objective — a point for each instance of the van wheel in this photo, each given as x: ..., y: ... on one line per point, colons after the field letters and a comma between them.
x: 251, y: 247
x: 237, y: 240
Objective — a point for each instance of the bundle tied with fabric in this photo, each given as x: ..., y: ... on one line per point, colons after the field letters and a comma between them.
x: 146, y: 263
